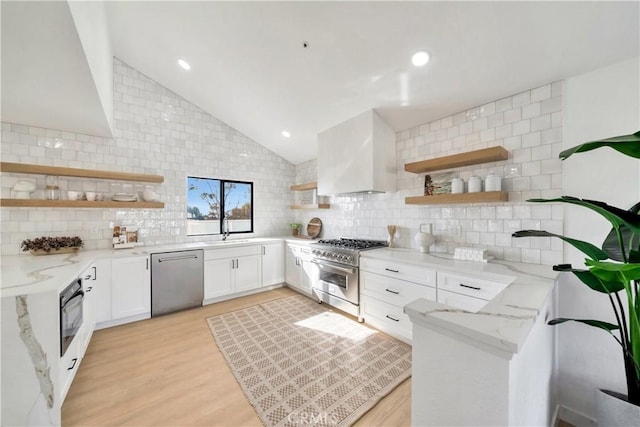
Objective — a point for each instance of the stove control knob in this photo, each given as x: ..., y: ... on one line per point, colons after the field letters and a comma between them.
x: 349, y: 258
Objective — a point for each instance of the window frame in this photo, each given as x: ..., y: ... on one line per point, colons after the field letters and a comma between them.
x: 223, y: 212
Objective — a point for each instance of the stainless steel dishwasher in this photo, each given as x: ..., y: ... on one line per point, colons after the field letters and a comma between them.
x: 177, y: 281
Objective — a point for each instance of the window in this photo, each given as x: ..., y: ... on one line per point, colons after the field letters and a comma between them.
x: 210, y: 202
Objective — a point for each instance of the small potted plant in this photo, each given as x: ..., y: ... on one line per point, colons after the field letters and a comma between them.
x: 52, y: 245
x: 294, y: 229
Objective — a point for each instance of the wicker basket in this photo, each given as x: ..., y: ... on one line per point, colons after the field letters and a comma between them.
x: 57, y: 251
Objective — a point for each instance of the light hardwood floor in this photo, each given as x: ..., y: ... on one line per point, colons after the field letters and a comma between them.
x: 168, y: 371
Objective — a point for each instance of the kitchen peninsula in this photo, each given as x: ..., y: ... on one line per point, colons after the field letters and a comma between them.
x: 489, y: 359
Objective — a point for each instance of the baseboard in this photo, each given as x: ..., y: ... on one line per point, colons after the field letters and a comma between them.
x: 572, y: 417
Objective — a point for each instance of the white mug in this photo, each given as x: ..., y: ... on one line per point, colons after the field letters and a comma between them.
x: 74, y: 195
x: 92, y: 196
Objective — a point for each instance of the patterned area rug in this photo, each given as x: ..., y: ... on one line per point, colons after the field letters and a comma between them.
x: 300, y: 364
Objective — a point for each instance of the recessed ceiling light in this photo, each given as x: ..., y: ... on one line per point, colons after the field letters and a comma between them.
x: 184, y: 64
x: 420, y: 58
x: 286, y: 134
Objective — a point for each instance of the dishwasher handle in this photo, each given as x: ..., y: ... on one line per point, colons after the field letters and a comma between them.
x: 176, y: 258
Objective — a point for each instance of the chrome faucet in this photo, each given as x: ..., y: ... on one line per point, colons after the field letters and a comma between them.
x: 225, y: 228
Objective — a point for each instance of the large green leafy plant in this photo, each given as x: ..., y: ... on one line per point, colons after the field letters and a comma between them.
x: 612, y: 269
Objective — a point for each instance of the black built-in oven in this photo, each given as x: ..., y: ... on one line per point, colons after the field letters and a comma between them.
x: 70, y: 313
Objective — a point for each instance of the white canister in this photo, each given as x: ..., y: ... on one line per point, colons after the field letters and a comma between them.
x: 475, y: 184
x: 457, y: 186
x: 492, y: 183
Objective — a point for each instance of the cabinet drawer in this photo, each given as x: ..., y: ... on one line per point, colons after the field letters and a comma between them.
x: 410, y: 272
x: 386, y: 317
x: 471, y: 286
x: 232, y: 252
x: 463, y: 302
x: 394, y: 291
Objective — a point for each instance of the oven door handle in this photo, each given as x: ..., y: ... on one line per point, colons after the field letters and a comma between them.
x: 73, y: 302
x: 334, y: 267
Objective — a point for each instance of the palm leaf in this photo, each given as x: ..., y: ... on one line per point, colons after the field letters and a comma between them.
x: 587, y: 248
x: 625, y: 144
x: 630, y: 240
x: 595, y: 323
x: 610, y: 271
x: 614, y: 215
x: 596, y: 283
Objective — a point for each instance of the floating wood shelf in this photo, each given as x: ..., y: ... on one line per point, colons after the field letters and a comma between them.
x: 79, y: 173
x: 35, y: 203
x: 443, y: 199
x: 315, y: 206
x: 492, y: 154
x: 305, y: 186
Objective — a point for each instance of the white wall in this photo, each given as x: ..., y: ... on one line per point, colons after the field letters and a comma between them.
x: 91, y: 23
x: 599, y: 104
x: 527, y: 124
x: 156, y: 132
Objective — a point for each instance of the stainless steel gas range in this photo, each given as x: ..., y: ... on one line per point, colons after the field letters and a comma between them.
x: 337, y: 277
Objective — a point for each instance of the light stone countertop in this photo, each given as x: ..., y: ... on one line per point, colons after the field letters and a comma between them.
x: 505, y: 322
x: 27, y: 274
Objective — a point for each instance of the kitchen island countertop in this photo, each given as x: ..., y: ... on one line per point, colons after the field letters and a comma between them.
x: 504, y: 322
x: 26, y: 274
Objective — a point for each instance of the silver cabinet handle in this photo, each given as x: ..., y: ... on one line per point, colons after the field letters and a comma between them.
x: 88, y: 289
x: 392, y: 318
x: 147, y: 263
x: 175, y: 258
x: 392, y: 292
x: 95, y: 273
x: 470, y: 287
x: 393, y: 271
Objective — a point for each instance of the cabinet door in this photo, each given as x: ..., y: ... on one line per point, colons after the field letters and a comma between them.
x: 131, y: 287
x: 292, y: 266
x: 272, y: 264
x: 218, y: 277
x: 247, y: 273
x: 308, y: 270
x: 463, y: 302
x: 88, y: 308
x: 102, y: 291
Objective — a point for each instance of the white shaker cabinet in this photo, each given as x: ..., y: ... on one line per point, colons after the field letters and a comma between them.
x: 101, y: 284
x: 231, y: 271
x: 130, y: 287
x: 386, y: 287
x: 89, y: 304
x: 298, y: 268
x: 272, y: 263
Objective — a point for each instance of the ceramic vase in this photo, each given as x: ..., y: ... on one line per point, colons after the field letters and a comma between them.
x: 424, y: 239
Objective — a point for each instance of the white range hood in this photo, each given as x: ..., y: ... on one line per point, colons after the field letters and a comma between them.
x: 357, y: 156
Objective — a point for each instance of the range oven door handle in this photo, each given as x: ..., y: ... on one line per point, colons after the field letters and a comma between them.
x: 73, y: 302
x: 325, y: 266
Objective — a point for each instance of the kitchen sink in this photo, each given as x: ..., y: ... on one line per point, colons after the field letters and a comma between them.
x: 228, y: 242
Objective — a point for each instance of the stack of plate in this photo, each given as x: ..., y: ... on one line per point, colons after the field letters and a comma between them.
x: 124, y: 197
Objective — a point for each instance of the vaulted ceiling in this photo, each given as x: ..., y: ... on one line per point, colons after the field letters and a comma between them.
x: 249, y: 67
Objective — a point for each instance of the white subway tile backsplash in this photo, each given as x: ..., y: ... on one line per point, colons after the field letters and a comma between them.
x: 541, y: 93
x: 512, y: 116
x: 192, y: 142
x: 528, y: 124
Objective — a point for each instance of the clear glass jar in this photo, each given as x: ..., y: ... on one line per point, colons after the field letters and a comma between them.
x: 51, y: 188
